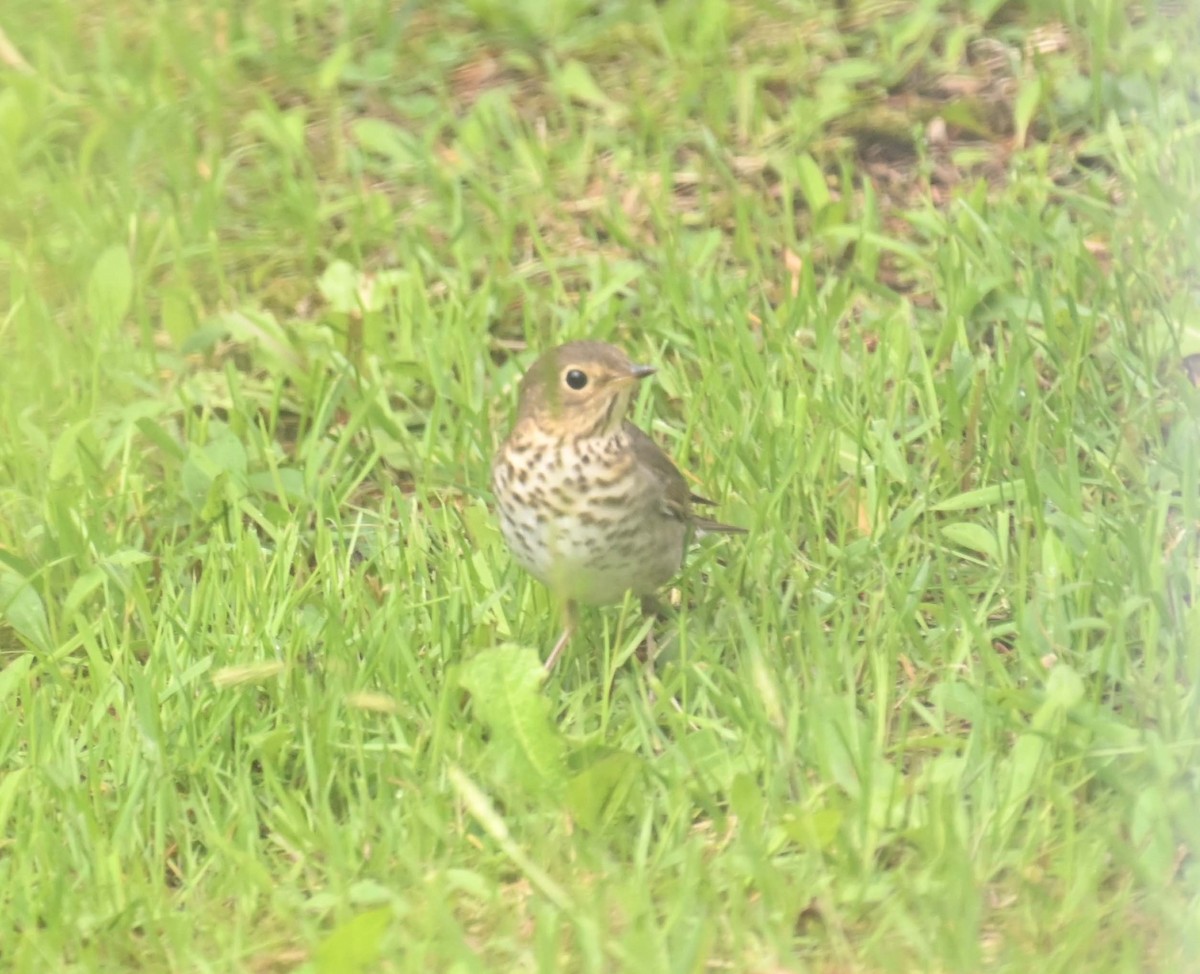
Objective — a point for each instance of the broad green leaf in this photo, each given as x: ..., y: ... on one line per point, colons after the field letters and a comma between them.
x: 1022, y: 765
x: 14, y: 119
x: 707, y: 754
x: 575, y: 82
x: 286, y: 483
x: 176, y: 315
x: 82, y: 588
x: 12, y: 676
x: 816, y: 830
x: 1004, y: 493
x: 746, y: 800
x: 222, y: 458
x: 167, y: 443
x: 384, y: 139
x: 11, y: 783
x: 595, y: 792
x: 355, y: 945
x: 110, y: 288
x: 339, y: 286
x: 974, y: 537
x: 812, y: 183
x: 1029, y: 96
x: 64, y: 461
x: 22, y: 608
x: 1064, y: 690
x: 505, y: 687
x: 329, y: 74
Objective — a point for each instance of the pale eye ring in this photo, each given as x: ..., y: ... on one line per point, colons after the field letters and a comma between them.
x: 576, y: 379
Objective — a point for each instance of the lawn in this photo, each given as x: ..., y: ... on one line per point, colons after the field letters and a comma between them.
x: 919, y: 279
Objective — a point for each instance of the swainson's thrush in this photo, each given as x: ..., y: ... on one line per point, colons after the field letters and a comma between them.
x: 589, y: 504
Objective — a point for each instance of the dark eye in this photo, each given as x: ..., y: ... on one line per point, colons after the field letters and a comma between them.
x: 576, y: 379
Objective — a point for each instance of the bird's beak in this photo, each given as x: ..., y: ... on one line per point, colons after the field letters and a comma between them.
x: 641, y: 371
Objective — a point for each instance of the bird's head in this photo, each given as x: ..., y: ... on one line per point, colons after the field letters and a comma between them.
x: 581, y: 389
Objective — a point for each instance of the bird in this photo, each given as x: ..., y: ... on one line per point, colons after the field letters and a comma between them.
x: 588, y: 504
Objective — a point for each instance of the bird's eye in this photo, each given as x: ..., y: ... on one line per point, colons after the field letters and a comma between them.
x: 576, y: 379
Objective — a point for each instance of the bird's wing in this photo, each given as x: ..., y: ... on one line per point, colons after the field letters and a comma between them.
x: 676, y: 496
x: 677, y: 499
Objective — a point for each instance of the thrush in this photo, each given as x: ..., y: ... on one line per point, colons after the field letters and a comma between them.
x: 589, y: 505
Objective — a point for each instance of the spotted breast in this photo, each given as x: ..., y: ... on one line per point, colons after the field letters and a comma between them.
x: 584, y: 517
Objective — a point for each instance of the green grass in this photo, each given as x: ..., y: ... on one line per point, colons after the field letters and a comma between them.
x: 918, y: 278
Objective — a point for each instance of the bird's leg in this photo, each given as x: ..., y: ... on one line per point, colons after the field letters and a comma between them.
x: 570, y: 617
x: 653, y: 609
